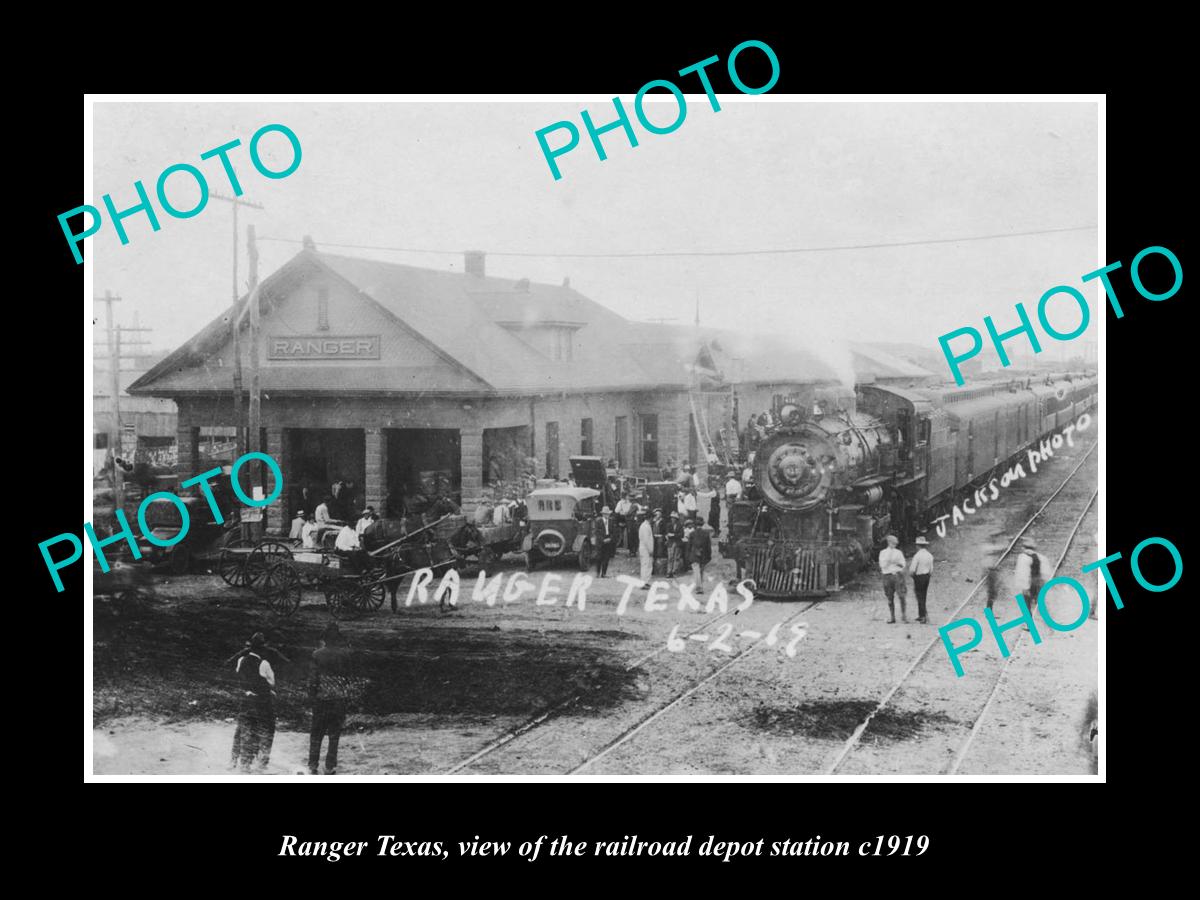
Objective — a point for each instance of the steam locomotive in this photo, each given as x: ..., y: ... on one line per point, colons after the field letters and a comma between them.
x: 832, y: 479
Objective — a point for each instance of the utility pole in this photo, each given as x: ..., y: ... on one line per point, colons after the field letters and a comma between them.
x: 255, y: 424
x: 238, y: 417
x: 114, y: 422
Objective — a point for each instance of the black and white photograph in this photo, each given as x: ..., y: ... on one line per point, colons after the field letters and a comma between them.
x: 532, y: 436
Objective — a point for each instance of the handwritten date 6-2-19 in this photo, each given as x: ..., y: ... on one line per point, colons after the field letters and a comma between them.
x: 720, y: 641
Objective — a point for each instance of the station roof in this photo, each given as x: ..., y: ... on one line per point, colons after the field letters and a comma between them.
x: 475, y: 325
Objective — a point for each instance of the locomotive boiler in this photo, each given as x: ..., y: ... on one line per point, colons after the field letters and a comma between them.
x: 818, y: 503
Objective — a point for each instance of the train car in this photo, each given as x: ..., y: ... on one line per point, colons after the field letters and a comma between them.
x: 828, y: 487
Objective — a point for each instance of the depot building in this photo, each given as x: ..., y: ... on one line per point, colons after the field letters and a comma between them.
x: 407, y: 381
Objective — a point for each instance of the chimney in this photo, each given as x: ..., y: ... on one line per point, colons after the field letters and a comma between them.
x: 474, y: 262
x: 309, y: 243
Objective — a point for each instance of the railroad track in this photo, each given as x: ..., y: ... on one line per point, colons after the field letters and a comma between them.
x: 630, y: 732
x: 952, y: 768
x: 627, y: 734
x: 864, y: 725
x: 562, y: 706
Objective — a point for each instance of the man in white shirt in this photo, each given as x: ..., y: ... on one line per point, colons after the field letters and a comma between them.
x: 308, y: 534
x: 364, y: 522
x: 347, y: 539
x: 297, y: 531
x: 256, y: 720
x: 322, y: 512
x: 686, y: 504
x: 646, y: 549
x: 733, y: 488
x: 892, y: 565
x: 921, y: 569
x: 501, y: 513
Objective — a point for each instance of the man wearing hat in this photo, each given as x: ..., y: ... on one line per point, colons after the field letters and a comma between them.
x: 364, y: 522
x: 699, y: 551
x: 297, y: 532
x: 674, y: 532
x: 921, y: 569
x: 255, y: 731
x: 1032, y: 569
x: 892, y: 564
x: 331, y: 687
x: 604, y: 533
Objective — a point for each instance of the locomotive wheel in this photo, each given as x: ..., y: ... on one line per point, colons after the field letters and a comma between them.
x: 585, y: 556
x: 280, y: 587
x: 232, y: 564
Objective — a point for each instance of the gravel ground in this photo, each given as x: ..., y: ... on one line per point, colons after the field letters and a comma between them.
x: 447, y: 684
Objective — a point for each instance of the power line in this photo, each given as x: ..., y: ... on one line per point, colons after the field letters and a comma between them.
x: 662, y: 253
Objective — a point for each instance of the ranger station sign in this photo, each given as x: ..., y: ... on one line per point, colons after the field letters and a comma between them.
x: 323, y: 346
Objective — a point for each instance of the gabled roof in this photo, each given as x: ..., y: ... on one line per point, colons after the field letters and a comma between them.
x: 475, y: 324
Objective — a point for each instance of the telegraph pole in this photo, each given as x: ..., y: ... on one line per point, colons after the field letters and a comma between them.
x: 114, y: 421
x: 238, y: 417
x: 255, y: 424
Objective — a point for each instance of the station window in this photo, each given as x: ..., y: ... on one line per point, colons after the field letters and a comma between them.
x: 649, y: 440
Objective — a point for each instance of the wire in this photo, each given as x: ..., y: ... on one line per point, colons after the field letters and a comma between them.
x: 659, y: 253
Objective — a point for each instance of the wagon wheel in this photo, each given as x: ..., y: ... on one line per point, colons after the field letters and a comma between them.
x: 232, y: 564
x: 363, y: 599
x: 280, y: 587
x: 261, y: 558
x: 373, y: 594
x: 343, y: 598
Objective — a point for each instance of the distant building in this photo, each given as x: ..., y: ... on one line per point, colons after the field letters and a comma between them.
x: 148, y: 424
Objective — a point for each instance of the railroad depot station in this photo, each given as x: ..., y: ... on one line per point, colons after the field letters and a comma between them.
x: 404, y: 380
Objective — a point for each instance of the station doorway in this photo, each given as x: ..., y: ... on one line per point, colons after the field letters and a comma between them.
x: 422, y: 465
x: 505, y: 451
x: 322, y: 457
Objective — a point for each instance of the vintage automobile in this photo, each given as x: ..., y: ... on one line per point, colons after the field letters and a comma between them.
x: 559, y: 519
x: 203, y: 541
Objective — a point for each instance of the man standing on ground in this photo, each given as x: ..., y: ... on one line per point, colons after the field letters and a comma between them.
x: 604, y: 534
x: 331, y: 687
x: 701, y: 553
x: 1032, y: 569
x: 674, y: 533
x: 256, y: 721
x: 646, y: 549
x: 922, y: 569
x: 892, y: 565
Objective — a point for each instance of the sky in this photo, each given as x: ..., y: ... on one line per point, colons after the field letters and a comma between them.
x: 762, y: 173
